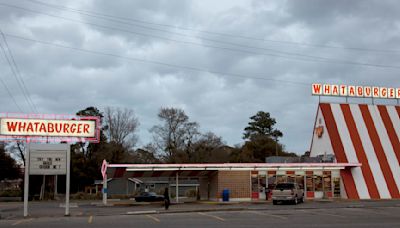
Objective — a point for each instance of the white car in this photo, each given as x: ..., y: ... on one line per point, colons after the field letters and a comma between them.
x: 287, y: 192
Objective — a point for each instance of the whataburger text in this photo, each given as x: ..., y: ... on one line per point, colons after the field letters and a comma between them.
x: 355, y: 91
x: 43, y: 127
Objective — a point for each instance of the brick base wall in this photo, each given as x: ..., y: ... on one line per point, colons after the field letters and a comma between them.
x: 238, y: 183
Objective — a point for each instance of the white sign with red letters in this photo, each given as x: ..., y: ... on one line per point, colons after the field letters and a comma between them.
x: 51, y: 128
x: 355, y: 91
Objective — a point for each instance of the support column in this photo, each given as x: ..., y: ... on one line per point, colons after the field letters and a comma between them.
x: 26, y: 179
x: 55, y: 186
x: 105, y: 189
x: 177, y: 187
x: 67, y: 185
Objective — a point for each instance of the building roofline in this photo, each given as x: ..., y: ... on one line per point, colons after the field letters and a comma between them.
x: 233, y: 166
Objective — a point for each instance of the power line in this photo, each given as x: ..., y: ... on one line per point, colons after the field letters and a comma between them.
x: 291, y: 56
x: 16, y: 73
x: 109, y: 18
x: 8, y: 90
x: 213, y: 32
x: 190, y: 68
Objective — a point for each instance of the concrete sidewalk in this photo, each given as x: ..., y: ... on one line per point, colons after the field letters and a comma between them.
x: 128, y: 207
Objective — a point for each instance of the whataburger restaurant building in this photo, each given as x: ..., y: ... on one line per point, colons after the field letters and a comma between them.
x: 362, y: 138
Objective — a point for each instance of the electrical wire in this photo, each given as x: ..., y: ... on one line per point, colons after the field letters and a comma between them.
x: 17, y: 74
x: 213, y: 32
x: 190, y: 68
x: 8, y: 90
x: 287, y: 55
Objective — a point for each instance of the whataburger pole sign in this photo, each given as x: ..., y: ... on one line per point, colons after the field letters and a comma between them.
x: 48, y: 159
x: 355, y: 91
x: 47, y: 128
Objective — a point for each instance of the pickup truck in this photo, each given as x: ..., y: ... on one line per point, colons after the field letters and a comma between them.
x: 289, y: 192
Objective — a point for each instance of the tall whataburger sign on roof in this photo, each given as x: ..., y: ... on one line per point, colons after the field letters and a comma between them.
x: 355, y: 91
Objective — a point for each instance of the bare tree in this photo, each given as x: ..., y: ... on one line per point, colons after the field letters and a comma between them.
x: 175, y: 134
x: 121, y: 126
x: 17, y: 148
x: 210, y: 148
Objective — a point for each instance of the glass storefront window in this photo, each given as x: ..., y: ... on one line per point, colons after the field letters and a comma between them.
x: 262, y: 181
x: 327, y: 181
x: 280, y: 179
x: 291, y: 178
x: 310, y: 183
x: 254, y: 183
x: 300, y: 181
x: 336, y: 187
x: 318, y: 183
x: 271, y: 181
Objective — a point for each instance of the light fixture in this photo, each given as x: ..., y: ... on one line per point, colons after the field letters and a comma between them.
x: 334, y: 168
x: 313, y: 168
x: 218, y: 169
x: 289, y: 168
x: 194, y: 168
x: 138, y: 169
x: 242, y: 169
x: 166, y: 169
x: 266, y: 168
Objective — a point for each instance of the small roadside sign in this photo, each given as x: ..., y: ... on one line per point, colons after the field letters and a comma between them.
x: 104, y: 168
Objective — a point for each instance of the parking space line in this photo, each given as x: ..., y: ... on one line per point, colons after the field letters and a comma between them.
x: 90, y: 220
x: 366, y: 211
x: 212, y: 216
x: 266, y: 214
x: 21, y: 221
x: 333, y: 215
x: 153, y: 218
x: 320, y: 212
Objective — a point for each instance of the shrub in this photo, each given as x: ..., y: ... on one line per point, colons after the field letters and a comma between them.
x: 11, y: 193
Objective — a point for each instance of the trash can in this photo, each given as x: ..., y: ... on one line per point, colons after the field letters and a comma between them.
x: 225, y: 195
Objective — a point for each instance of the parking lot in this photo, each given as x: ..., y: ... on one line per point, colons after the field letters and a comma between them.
x: 256, y: 216
x: 348, y: 217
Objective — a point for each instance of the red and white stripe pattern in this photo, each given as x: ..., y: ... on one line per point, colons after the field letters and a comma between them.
x: 368, y: 134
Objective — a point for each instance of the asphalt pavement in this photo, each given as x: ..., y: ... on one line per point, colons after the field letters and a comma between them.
x: 206, y: 214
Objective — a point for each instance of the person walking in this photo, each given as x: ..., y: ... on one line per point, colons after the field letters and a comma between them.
x: 166, y: 199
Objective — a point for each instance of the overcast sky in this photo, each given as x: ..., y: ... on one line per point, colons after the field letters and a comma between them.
x: 221, y: 61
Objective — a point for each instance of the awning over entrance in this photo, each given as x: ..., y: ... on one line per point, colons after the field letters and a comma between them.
x: 232, y: 166
x: 157, y: 170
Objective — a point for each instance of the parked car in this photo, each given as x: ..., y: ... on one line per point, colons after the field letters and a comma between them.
x: 287, y: 192
x: 149, y: 197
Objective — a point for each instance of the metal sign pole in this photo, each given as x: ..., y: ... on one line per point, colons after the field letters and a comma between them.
x: 68, y: 181
x: 104, y: 174
x: 105, y: 189
x: 177, y: 187
x: 26, y: 179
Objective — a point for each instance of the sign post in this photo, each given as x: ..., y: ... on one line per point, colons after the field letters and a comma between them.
x: 26, y: 180
x: 47, y: 159
x: 104, y: 173
x: 67, y: 185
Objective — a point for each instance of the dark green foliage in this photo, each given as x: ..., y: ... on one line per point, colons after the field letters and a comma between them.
x: 261, y: 140
x: 9, y: 169
x: 262, y: 124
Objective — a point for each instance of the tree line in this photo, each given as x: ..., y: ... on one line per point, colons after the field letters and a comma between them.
x: 176, y: 139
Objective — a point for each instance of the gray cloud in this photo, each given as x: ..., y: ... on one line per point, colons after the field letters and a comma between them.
x: 64, y: 81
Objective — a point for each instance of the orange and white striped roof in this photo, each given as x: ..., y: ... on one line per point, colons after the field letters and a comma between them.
x: 366, y: 134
